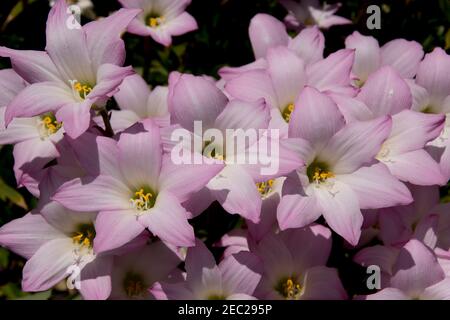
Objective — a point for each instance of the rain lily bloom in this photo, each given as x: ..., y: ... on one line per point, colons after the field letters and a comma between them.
x: 341, y: 176
x: 236, y: 277
x: 137, y: 102
x: 137, y: 188
x: 160, y: 19
x: 293, y: 274
x: 286, y: 76
x: 34, y: 138
x: 267, y: 32
x: 431, y: 93
x: 198, y: 99
x: 403, y: 55
x: 75, y: 74
x: 134, y: 272
x: 413, y: 272
x: 386, y: 93
x: 308, y: 12
x: 425, y: 219
x: 52, y: 245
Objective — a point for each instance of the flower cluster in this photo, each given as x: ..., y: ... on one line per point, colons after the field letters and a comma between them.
x: 361, y: 149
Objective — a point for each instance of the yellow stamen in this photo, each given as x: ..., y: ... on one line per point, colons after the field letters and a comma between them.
x: 156, y: 21
x: 290, y: 289
x: 82, y: 89
x: 265, y: 187
x: 321, y: 176
x: 85, y: 235
x: 134, y: 285
x: 143, y: 199
x: 287, y: 112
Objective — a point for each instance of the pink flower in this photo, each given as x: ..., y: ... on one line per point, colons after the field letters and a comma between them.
x: 236, y: 277
x: 160, y: 19
x: 295, y: 273
x: 307, y: 12
x: 412, y: 272
x: 341, y: 176
x: 386, y: 93
x: 75, y: 73
x: 198, y: 99
x: 135, y: 272
x: 285, y: 77
x: 137, y: 188
x: 137, y: 102
x: 404, y: 56
x: 267, y: 32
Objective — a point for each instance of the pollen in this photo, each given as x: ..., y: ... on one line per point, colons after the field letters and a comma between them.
x: 83, y: 90
x: 265, y: 187
x: 321, y: 176
x: 287, y: 112
x: 155, y: 22
x: 48, y: 125
x: 84, y: 236
x: 319, y: 172
x: 143, y: 199
x: 290, y: 289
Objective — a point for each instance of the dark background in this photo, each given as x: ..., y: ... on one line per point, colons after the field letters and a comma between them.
x: 222, y: 39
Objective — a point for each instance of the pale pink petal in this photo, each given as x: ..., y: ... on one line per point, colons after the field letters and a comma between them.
x: 288, y: 74
x: 26, y: 235
x: 115, y: 229
x: 388, y: 294
x: 356, y: 144
x: 296, y: 211
x: 322, y: 283
x: 95, y: 281
x: 266, y: 32
x: 75, y: 117
x: 241, y: 273
x: 102, y: 193
x: 309, y: 45
x: 376, y: 187
x: 168, y: 220
x: 367, y: 54
x: 402, y: 55
x: 341, y: 211
x: 416, y: 269
x: 194, y: 99
x: 307, y: 119
x: 385, y: 92
x: 49, y: 265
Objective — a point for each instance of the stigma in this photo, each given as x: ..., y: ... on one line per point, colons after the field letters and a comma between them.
x: 287, y: 112
x: 143, y: 199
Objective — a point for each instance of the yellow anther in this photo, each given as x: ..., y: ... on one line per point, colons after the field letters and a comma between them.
x: 290, y: 289
x: 85, y: 235
x: 143, y: 200
x: 287, y: 112
x: 155, y: 21
x: 82, y: 89
x: 320, y: 175
x: 265, y: 187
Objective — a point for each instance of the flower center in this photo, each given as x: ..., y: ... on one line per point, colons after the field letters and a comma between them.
x: 134, y: 285
x: 84, y: 236
x: 49, y: 125
x: 265, y: 187
x: 143, y: 199
x: 216, y: 297
x: 81, y: 89
x: 212, y: 151
x: 287, y: 112
x: 289, y: 288
x: 155, y: 20
x: 429, y: 110
x: 318, y: 172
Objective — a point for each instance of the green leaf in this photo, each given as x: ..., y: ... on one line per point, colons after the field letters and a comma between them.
x: 447, y: 39
x: 8, y: 193
x: 45, y: 295
x: 4, y: 257
x: 15, y: 11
